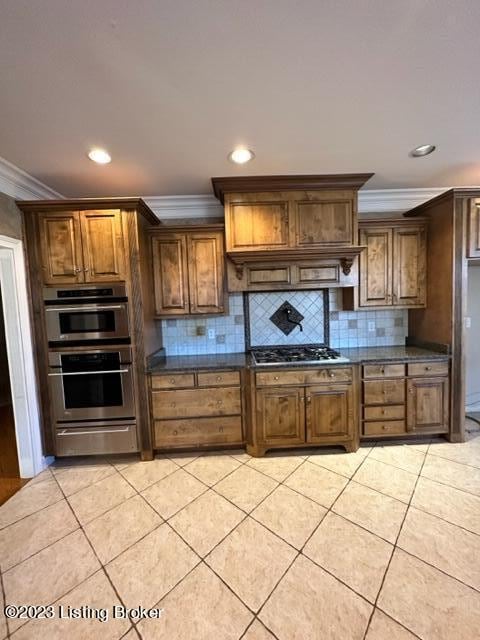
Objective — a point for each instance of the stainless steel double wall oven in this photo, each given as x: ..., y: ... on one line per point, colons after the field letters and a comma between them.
x: 90, y: 369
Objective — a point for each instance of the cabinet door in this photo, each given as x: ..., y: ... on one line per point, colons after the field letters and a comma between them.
x: 473, y: 244
x: 103, y: 252
x: 61, y: 247
x: 206, y: 273
x: 281, y: 415
x: 409, y: 267
x: 376, y: 267
x: 428, y: 404
x: 170, y: 275
x: 320, y: 224
x: 330, y: 413
x: 256, y: 221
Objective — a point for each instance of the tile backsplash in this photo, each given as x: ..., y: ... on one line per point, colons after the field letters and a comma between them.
x: 226, y: 334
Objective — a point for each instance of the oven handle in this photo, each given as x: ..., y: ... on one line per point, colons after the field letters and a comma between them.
x: 81, y: 308
x: 84, y: 433
x: 89, y: 373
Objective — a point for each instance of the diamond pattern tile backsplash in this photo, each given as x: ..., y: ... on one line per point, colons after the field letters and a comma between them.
x: 347, y: 328
x: 263, y: 305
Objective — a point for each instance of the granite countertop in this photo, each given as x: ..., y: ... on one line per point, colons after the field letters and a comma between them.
x: 242, y: 360
x: 213, y: 361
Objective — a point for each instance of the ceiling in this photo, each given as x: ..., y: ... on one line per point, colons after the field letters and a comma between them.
x: 170, y: 87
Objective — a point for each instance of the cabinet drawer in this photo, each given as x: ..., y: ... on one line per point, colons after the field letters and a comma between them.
x: 196, y: 403
x: 173, y: 381
x: 428, y: 369
x: 218, y: 378
x: 384, y: 392
x: 384, y: 428
x: 201, y: 431
x: 275, y: 378
x: 311, y: 376
x: 384, y: 371
x: 385, y: 412
x: 331, y: 374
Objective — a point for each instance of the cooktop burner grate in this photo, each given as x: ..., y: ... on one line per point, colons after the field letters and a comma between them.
x: 300, y: 353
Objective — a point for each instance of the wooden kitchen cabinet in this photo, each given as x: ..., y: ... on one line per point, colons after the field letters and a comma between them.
x: 301, y: 407
x: 392, y: 268
x: 405, y: 399
x: 81, y: 246
x: 428, y: 405
x: 188, y: 270
x: 330, y: 413
x: 281, y: 415
x: 473, y: 226
x: 200, y: 409
x: 290, y: 220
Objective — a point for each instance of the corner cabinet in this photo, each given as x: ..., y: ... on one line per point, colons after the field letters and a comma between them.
x: 303, y: 407
x: 81, y: 247
x: 392, y: 268
x: 188, y: 272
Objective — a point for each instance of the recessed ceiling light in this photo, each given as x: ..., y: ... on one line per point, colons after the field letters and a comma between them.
x: 100, y: 156
x: 241, y: 156
x: 423, y: 150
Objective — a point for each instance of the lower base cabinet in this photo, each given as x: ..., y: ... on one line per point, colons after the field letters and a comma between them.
x: 197, y: 410
x: 406, y: 399
x: 303, y: 414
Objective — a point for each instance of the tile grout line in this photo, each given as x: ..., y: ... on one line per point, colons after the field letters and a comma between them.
x: 393, y: 553
x: 299, y: 553
x: 102, y: 566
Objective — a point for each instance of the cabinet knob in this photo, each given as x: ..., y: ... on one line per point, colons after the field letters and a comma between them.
x: 382, y: 370
x: 309, y: 399
x: 173, y: 405
x: 175, y: 433
x: 275, y: 377
x: 332, y: 375
x: 410, y: 390
x: 172, y: 380
x: 383, y: 427
x: 220, y: 429
x: 428, y: 368
x: 77, y: 269
x: 219, y: 378
x: 219, y: 401
x: 86, y: 269
x: 383, y: 412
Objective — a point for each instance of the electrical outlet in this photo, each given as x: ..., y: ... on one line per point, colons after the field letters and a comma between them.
x: 371, y: 326
x: 211, y: 334
x: 468, y: 322
x: 200, y: 329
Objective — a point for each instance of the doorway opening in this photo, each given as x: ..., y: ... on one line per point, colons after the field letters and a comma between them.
x: 472, y: 332
x: 10, y: 481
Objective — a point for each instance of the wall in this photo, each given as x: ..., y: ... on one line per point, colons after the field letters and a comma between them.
x: 473, y: 339
x: 347, y: 328
x: 10, y: 218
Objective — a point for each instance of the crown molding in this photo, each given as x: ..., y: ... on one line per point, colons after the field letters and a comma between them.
x: 172, y: 207
x: 395, y: 200
x: 369, y: 201
x: 22, y: 186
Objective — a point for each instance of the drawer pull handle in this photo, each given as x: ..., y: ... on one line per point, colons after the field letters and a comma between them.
x: 172, y: 380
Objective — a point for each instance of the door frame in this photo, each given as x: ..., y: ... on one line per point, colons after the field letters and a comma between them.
x: 21, y: 363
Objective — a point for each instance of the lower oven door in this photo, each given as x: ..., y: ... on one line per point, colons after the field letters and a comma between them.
x: 102, y: 394
x: 80, y: 439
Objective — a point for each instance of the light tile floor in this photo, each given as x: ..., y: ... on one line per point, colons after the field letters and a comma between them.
x: 381, y: 544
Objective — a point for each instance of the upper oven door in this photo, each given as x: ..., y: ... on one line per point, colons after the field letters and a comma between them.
x: 87, y: 322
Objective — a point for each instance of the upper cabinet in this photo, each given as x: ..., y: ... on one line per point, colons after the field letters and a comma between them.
x: 392, y: 266
x: 81, y: 246
x: 473, y: 239
x: 188, y: 272
x: 290, y: 220
x: 290, y: 214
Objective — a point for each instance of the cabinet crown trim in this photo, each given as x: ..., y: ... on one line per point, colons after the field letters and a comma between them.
x: 252, y: 184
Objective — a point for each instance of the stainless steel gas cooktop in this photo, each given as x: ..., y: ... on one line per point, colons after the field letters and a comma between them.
x: 313, y: 353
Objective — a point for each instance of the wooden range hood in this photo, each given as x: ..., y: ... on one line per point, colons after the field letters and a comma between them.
x: 280, y: 224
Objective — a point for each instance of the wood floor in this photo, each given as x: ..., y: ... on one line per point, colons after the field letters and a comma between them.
x: 10, y: 481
